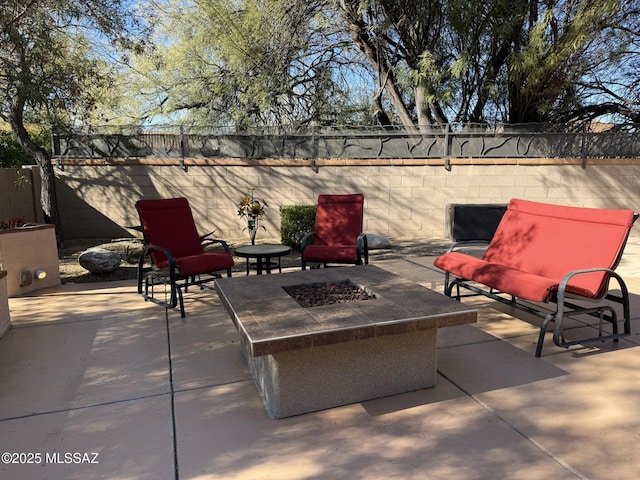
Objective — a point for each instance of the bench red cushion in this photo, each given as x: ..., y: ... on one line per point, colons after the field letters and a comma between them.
x: 503, y: 278
x: 536, y: 244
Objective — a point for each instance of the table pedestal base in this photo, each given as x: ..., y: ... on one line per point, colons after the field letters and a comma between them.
x: 307, y: 380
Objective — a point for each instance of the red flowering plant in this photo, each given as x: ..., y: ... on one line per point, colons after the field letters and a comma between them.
x: 15, y: 222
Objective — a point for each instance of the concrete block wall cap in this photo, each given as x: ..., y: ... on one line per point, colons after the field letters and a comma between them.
x: 27, y: 227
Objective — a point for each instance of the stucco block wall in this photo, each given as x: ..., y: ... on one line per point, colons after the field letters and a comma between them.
x: 402, y: 200
x: 27, y: 250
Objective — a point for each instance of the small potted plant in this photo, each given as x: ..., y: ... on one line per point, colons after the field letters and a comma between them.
x: 252, y: 210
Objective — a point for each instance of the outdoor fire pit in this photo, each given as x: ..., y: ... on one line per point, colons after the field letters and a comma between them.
x: 324, y: 293
x: 317, y: 339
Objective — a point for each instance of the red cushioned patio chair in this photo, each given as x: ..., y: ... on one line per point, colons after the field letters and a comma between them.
x: 175, y: 252
x: 338, y: 236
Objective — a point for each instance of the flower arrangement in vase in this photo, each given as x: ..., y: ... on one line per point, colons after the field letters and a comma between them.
x: 253, y: 210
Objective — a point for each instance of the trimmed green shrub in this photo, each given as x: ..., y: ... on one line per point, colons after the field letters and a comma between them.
x: 295, y: 221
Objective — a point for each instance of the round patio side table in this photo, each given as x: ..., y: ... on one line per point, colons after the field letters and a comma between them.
x: 264, y: 255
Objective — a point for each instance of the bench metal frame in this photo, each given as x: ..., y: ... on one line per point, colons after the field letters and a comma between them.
x: 564, y: 306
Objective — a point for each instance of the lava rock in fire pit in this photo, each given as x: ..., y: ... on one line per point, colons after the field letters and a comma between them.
x: 325, y: 293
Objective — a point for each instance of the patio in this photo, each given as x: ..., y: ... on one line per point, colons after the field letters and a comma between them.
x: 93, y: 369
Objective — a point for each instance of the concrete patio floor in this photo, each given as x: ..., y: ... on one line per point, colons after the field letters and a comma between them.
x: 93, y: 369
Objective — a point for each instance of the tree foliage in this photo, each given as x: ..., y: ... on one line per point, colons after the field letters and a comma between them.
x: 265, y: 63
x: 274, y: 63
x: 47, y: 70
x: 12, y: 155
x: 501, y: 60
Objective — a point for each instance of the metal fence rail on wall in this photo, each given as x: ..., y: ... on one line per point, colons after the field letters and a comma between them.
x: 447, y: 141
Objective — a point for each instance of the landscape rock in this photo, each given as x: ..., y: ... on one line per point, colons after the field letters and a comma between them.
x: 375, y: 241
x: 100, y: 260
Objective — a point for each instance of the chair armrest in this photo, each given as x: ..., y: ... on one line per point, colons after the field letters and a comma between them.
x: 213, y: 241
x: 467, y: 243
x: 205, y: 236
x: 362, y: 246
x: 146, y: 251
x: 567, y: 278
x: 561, y: 293
x: 307, y: 239
x: 167, y: 253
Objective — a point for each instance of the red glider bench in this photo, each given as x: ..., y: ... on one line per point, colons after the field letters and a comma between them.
x: 549, y: 254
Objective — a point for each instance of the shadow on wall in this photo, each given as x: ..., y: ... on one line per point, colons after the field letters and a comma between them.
x: 402, y: 201
x: 85, y: 221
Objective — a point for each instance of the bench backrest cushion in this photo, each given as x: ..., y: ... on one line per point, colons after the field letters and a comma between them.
x: 552, y: 240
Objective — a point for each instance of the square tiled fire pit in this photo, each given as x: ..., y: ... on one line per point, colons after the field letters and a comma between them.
x: 368, y: 334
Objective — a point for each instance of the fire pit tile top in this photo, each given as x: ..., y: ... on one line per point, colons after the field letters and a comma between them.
x: 269, y: 320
